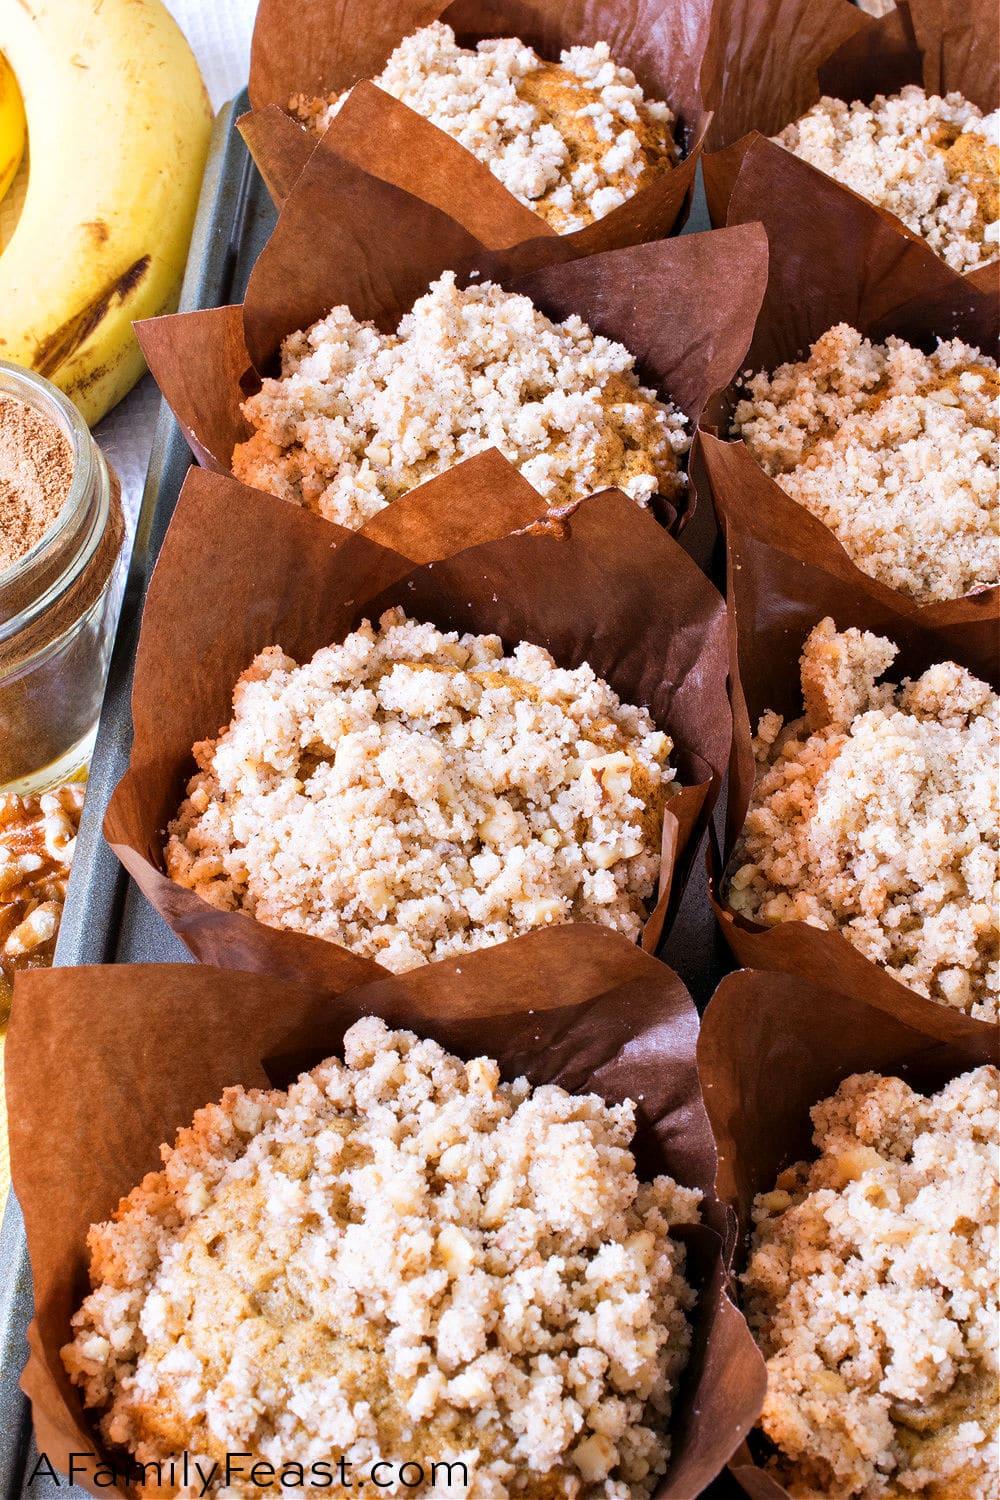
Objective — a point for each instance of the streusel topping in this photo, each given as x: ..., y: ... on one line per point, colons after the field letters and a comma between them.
x: 878, y: 815
x: 401, y: 1258
x: 893, y: 449
x: 931, y: 161
x: 412, y: 795
x: 571, y: 140
x: 872, y: 1290
x: 360, y: 417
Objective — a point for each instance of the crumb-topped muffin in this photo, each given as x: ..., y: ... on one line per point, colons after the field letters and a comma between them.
x: 872, y: 1291
x: 571, y: 140
x: 358, y: 417
x: 893, y: 449
x: 401, y: 1260
x: 877, y: 815
x: 931, y: 161
x: 412, y: 795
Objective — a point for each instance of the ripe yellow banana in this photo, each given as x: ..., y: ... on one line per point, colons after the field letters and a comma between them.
x: 118, y: 128
x: 12, y: 126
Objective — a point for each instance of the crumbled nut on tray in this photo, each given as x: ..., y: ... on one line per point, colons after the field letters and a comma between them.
x: 37, y: 839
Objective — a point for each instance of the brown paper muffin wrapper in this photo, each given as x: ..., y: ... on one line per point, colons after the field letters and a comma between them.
x: 381, y: 248
x: 318, y: 47
x: 151, y: 1044
x: 773, y: 1045
x: 762, y: 72
x: 605, y: 585
x: 842, y: 264
x: 781, y: 584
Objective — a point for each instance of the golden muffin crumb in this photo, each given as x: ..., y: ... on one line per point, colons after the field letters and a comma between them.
x: 877, y: 815
x: 893, y: 449
x: 401, y: 1259
x: 413, y: 795
x: 872, y: 1291
x: 359, y: 417
x: 571, y: 140
x: 931, y: 161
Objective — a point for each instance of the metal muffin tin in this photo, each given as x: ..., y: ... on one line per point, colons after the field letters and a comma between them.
x: 106, y: 920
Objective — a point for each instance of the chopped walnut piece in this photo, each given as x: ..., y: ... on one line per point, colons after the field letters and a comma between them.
x: 37, y: 839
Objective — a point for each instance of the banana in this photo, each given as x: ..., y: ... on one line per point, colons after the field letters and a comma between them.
x: 118, y: 129
x: 12, y: 126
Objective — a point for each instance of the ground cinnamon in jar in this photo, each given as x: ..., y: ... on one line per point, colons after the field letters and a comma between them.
x: 36, y: 471
x: 61, y: 533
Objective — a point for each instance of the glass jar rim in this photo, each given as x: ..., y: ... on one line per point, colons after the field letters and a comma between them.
x: 89, y: 479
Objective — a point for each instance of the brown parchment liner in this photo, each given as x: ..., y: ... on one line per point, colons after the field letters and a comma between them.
x: 380, y: 249
x: 605, y: 585
x: 318, y: 47
x: 773, y: 1045
x: 151, y: 1044
x: 768, y: 61
x: 842, y: 263
x: 781, y: 584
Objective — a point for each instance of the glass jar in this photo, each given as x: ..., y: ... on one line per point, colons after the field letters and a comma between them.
x: 58, y: 607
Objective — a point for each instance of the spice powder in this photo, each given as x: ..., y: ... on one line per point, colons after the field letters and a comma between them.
x: 36, y: 471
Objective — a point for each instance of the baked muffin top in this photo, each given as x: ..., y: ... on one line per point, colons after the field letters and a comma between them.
x: 894, y: 449
x: 877, y: 816
x: 400, y: 1260
x: 412, y: 795
x: 931, y: 161
x: 571, y: 140
x: 872, y: 1290
x: 360, y: 417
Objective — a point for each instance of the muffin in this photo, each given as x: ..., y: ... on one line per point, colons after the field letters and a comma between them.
x: 872, y: 1290
x: 893, y: 449
x: 401, y: 1261
x: 359, y: 417
x: 413, y: 795
x: 931, y: 161
x: 572, y: 140
x: 876, y: 816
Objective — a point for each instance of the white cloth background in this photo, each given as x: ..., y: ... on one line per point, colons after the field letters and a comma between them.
x: 219, y: 32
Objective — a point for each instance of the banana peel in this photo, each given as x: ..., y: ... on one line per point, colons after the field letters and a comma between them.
x: 13, y: 126
x: 118, y: 124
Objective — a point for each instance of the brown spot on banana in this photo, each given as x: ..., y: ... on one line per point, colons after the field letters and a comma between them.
x: 98, y: 231
x: 64, y: 341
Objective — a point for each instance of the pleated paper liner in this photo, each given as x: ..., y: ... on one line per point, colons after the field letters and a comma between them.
x: 780, y: 586
x: 381, y: 248
x: 841, y: 264
x: 110, y: 1062
x: 773, y: 1045
x: 318, y: 47
x: 771, y: 60
x: 605, y: 585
